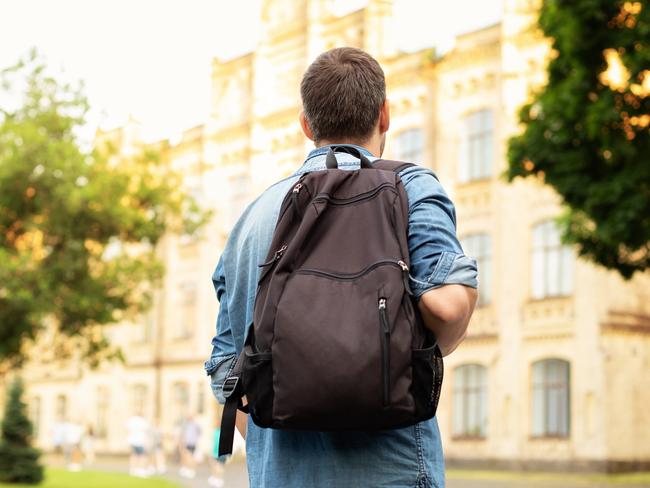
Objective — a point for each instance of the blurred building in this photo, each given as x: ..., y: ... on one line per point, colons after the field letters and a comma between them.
x: 554, y: 371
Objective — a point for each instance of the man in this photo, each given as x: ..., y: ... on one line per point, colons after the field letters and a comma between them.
x: 344, y: 102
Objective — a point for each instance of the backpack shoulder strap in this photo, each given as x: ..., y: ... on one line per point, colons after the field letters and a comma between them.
x: 396, y: 166
x: 389, y: 165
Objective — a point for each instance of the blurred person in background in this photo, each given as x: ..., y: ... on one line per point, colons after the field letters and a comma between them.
x: 157, y: 449
x: 189, y: 440
x: 88, y: 445
x: 72, y: 435
x: 138, y: 430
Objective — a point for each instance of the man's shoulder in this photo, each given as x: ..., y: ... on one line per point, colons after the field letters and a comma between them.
x: 419, y: 179
x: 260, y: 215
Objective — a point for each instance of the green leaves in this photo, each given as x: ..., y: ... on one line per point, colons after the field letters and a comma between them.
x: 588, y: 132
x: 78, y: 228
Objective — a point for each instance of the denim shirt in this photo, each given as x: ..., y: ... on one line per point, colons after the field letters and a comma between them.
x: 409, y: 457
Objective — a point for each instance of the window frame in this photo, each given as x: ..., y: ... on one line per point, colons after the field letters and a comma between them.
x: 481, y: 137
x: 548, y: 386
x: 543, y: 251
x: 484, y: 263
x: 410, y: 155
x: 462, y: 394
x: 102, y: 411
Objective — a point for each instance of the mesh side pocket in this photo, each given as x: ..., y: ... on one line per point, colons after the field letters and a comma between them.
x: 258, y: 387
x: 427, y: 381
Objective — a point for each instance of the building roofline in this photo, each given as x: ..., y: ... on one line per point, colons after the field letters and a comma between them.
x: 480, y: 29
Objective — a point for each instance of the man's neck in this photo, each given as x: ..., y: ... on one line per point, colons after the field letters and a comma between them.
x: 370, y: 146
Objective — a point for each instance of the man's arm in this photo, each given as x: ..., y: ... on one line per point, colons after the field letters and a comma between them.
x: 443, y: 279
x: 446, y: 312
x: 223, y: 347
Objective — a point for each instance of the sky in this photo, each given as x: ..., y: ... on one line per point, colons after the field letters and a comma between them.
x: 150, y: 59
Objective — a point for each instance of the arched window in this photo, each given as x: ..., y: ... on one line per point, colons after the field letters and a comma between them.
x: 181, y: 402
x: 479, y: 246
x: 102, y: 411
x: 408, y: 146
x: 470, y: 401
x: 552, y: 262
x: 477, y: 146
x: 61, y: 407
x: 187, y: 305
x: 551, y: 398
x: 139, y: 399
x: 200, y: 397
x: 35, y: 415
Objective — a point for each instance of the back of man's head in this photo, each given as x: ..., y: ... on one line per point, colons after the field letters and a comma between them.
x: 342, y: 92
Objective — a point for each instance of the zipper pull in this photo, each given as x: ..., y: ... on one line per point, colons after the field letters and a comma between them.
x: 277, y: 255
x: 383, y: 315
x: 280, y: 252
x: 294, y: 200
x: 405, y: 276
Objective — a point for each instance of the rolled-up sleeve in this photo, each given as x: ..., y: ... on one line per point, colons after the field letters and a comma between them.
x: 436, y: 255
x: 223, y: 347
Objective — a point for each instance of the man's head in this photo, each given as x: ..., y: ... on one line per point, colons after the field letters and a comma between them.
x: 344, y: 99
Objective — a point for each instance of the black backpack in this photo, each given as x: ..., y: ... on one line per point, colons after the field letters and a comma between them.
x: 337, y: 342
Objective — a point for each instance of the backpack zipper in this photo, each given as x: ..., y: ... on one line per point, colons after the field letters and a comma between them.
x: 351, y: 276
x: 269, y: 264
x: 294, y: 199
x: 346, y: 201
x: 405, y: 276
x: 384, y: 332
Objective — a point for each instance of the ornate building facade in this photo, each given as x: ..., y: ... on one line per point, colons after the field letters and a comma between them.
x: 554, y: 370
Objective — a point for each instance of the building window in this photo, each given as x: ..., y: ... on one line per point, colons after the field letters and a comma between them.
x: 187, y: 316
x: 181, y: 402
x: 479, y: 246
x: 409, y: 146
x: 470, y: 401
x: 477, y: 146
x: 102, y: 411
x: 551, y: 404
x: 192, y: 213
x: 139, y: 399
x: 552, y: 266
x: 145, y: 327
x: 35, y: 415
x: 61, y: 407
x: 200, y: 397
x: 238, y: 198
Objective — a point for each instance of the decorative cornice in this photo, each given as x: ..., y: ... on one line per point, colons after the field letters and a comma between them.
x: 622, y: 322
x: 482, y: 337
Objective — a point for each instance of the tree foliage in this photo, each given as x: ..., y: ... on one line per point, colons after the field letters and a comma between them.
x: 587, y: 133
x: 78, y: 229
x: 18, y: 459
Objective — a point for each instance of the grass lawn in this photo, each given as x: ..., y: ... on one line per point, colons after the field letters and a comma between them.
x: 574, y: 479
x: 60, y: 478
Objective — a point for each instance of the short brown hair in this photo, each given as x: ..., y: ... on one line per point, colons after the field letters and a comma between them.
x: 342, y: 93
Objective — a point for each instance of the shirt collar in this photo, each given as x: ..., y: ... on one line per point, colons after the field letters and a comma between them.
x: 323, y: 149
x: 314, y: 162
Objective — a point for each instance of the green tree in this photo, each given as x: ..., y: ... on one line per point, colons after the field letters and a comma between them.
x: 587, y: 132
x: 18, y: 459
x: 78, y: 229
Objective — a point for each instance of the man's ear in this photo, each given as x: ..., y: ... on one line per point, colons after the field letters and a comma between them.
x: 384, y: 117
x: 305, y: 126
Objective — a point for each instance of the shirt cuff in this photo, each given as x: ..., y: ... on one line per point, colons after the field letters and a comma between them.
x: 219, y: 368
x: 452, y: 269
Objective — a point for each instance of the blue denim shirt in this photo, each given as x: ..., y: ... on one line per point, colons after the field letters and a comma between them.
x: 409, y: 457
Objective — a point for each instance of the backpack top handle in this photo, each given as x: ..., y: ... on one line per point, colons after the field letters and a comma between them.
x: 330, y: 160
